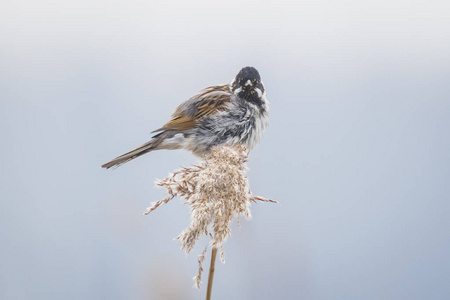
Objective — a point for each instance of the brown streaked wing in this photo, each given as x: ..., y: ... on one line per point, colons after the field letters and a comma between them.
x: 216, y: 88
x: 209, y: 101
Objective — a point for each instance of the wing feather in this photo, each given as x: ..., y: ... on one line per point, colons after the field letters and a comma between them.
x: 207, y: 102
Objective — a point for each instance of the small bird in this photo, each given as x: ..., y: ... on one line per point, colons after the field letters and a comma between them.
x: 232, y: 114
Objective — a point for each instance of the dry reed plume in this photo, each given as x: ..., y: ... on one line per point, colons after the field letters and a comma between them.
x: 217, y: 190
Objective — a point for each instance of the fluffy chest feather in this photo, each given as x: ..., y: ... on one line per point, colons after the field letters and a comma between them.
x: 257, y: 117
x: 241, y: 123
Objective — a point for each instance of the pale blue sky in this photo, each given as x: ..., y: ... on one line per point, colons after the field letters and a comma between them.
x: 357, y: 152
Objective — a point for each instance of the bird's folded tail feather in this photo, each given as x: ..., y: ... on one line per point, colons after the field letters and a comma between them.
x: 124, y: 158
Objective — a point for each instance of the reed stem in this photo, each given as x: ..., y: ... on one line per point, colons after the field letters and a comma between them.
x: 211, y: 273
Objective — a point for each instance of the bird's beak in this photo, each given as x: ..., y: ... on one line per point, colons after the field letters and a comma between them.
x: 248, y: 83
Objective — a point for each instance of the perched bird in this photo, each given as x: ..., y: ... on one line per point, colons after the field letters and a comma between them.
x: 233, y: 114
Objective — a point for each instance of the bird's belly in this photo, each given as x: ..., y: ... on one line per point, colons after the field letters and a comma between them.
x: 245, y: 130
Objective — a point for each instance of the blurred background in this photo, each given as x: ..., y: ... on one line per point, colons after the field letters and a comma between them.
x: 357, y: 151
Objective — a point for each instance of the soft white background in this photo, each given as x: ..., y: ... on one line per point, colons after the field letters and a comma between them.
x: 357, y: 152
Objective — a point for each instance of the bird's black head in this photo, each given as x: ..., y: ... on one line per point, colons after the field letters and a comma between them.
x: 248, y: 86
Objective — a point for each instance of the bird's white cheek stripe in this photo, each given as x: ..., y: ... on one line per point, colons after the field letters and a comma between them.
x: 238, y: 90
x: 259, y: 92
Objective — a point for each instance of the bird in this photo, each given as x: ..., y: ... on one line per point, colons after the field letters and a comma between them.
x: 228, y: 114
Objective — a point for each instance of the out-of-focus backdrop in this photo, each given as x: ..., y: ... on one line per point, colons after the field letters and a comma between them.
x: 357, y: 152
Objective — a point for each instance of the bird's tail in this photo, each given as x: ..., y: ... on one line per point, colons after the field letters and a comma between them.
x: 124, y: 158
